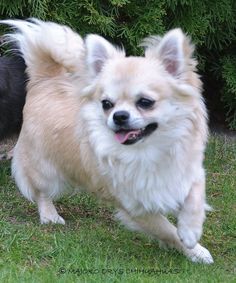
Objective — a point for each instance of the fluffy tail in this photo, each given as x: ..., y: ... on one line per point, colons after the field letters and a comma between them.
x: 47, y: 48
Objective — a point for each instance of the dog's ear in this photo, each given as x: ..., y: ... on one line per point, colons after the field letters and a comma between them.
x: 173, y: 50
x: 99, y: 51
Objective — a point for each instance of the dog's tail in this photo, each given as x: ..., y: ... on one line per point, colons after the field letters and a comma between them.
x: 48, y: 48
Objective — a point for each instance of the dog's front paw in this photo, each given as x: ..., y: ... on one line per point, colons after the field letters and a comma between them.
x: 199, y: 254
x: 189, y: 237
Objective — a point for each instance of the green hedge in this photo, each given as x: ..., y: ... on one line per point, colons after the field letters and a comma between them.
x: 211, y: 24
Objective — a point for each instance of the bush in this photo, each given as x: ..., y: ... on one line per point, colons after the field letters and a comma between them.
x: 211, y: 24
x: 229, y: 89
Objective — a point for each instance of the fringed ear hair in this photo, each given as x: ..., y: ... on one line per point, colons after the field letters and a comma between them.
x: 169, y: 50
x: 99, y: 51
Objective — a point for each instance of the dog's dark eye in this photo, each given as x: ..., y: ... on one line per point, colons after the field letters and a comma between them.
x: 145, y: 103
x: 106, y: 104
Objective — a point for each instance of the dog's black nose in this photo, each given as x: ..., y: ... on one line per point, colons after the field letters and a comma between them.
x: 121, y: 117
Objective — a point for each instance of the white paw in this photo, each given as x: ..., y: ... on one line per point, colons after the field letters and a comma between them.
x: 199, y: 254
x: 189, y: 237
x: 55, y: 219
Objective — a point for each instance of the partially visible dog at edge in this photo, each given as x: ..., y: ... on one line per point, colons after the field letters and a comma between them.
x: 133, y: 130
x: 12, y: 94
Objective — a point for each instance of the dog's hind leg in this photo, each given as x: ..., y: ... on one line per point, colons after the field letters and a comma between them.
x: 47, y: 210
x: 158, y: 226
x: 39, y: 183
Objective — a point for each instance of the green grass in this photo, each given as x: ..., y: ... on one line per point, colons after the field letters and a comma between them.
x: 92, y: 247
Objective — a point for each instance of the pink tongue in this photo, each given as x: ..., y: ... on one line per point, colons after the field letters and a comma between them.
x: 123, y: 136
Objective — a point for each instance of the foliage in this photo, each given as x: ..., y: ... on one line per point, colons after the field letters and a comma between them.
x: 211, y: 24
x: 229, y: 90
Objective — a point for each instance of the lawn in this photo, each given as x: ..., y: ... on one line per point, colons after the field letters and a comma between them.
x: 92, y: 247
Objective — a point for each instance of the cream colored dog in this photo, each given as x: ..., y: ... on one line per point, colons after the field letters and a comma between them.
x: 131, y: 129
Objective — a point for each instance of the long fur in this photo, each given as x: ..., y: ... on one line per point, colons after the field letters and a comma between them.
x: 68, y: 140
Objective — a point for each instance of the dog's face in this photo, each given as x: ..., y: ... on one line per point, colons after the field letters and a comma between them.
x: 132, y: 98
x: 143, y: 96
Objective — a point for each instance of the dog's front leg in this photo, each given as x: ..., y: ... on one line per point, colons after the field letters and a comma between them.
x: 192, y: 215
x: 158, y: 226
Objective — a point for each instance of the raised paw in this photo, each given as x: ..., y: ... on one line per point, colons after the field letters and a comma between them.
x: 189, y: 237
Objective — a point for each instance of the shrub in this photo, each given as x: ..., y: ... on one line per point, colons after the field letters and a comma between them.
x: 229, y: 89
x: 211, y: 24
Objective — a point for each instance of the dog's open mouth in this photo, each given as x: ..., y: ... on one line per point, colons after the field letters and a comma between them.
x: 131, y: 136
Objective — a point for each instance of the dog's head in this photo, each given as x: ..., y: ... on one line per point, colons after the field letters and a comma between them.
x: 143, y: 97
